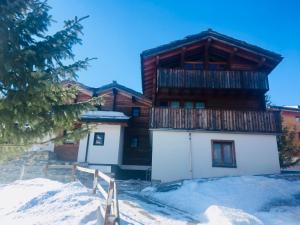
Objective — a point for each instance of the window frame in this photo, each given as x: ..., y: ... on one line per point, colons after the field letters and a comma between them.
x: 163, y: 106
x: 174, y: 101
x: 99, y: 133
x: 195, y: 105
x: 233, y: 153
x: 136, y: 108
x: 137, y: 143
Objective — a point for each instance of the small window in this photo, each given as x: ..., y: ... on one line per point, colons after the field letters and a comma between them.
x: 199, y: 105
x: 223, y: 154
x: 163, y: 104
x: 175, y: 104
x: 299, y: 135
x: 136, y: 111
x: 134, y: 142
x: 188, y: 105
x: 298, y: 119
x: 99, y: 138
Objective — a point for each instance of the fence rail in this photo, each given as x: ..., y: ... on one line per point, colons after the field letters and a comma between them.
x: 108, y: 215
x: 216, y: 120
x: 178, y: 78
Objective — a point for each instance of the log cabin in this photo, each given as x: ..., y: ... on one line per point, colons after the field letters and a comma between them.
x: 202, y: 113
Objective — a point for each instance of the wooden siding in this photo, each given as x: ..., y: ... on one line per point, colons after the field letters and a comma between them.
x: 232, y: 100
x: 67, y: 152
x: 216, y: 120
x: 137, y: 126
x: 174, y: 78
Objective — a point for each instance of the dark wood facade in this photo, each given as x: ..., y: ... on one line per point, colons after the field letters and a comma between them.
x: 138, y: 127
x: 216, y: 120
x: 209, y: 81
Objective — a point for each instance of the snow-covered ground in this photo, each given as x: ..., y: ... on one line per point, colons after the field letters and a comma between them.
x: 234, y: 200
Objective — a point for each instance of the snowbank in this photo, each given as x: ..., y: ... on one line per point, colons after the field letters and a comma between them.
x: 236, y: 200
x: 42, y: 201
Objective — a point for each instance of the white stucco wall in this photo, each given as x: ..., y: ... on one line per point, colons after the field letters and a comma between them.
x: 255, y: 154
x: 108, y: 154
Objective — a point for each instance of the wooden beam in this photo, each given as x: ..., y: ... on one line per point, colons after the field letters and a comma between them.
x: 206, y: 53
x: 182, y: 56
x: 262, y: 61
x: 231, y: 57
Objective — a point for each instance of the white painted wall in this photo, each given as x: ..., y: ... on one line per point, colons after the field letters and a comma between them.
x: 108, y: 154
x: 255, y: 154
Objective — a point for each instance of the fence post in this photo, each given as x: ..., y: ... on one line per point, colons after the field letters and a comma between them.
x: 74, y: 172
x: 46, y: 170
x: 108, y: 220
x: 95, y: 182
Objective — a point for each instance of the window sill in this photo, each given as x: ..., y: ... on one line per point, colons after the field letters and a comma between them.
x: 224, y: 166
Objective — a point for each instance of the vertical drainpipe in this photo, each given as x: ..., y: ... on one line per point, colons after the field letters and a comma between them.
x: 191, y: 155
x: 87, y: 147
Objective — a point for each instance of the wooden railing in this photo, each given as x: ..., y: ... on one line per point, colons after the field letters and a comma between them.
x: 109, y: 215
x: 178, y: 78
x: 216, y: 120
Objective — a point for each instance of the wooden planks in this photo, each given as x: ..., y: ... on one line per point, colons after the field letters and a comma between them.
x: 216, y: 120
x: 110, y: 214
x: 178, y: 78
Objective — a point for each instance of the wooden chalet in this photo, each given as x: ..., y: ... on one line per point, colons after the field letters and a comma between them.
x: 202, y: 112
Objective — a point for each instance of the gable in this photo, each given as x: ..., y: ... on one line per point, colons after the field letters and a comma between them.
x: 207, y: 50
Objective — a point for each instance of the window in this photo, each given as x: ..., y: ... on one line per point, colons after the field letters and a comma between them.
x: 163, y: 104
x: 223, y: 154
x: 134, y: 142
x: 99, y: 138
x: 175, y: 104
x: 299, y: 135
x: 136, y: 111
x: 199, y: 105
x: 188, y: 105
x: 298, y: 119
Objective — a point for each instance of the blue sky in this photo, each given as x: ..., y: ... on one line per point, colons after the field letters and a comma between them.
x: 118, y: 31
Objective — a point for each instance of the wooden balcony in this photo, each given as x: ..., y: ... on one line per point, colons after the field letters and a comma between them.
x: 216, y: 120
x: 199, y: 79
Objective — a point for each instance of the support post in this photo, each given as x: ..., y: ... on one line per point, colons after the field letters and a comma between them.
x: 74, y: 172
x: 95, y: 182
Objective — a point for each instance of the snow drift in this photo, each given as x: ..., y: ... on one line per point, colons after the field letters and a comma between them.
x: 42, y: 201
x: 235, y: 200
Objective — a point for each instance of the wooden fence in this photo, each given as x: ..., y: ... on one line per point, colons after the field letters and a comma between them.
x: 177, y: 78
x: 216, y: 120
x: 108, y: 215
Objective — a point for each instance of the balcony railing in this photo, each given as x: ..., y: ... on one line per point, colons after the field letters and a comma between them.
x: 216, y: 120
x: 176, y: 78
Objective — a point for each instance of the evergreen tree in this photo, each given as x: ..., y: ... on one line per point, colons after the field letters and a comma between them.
x: 33, y: 102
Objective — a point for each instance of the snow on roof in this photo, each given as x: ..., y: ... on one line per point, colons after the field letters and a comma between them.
x: 104, y: 116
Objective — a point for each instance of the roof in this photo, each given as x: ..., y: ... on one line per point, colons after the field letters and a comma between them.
x: 114, y: 84
x: 106, y: 87
x: 287, y: 108
x: 214, y: 35
x: 104, y: 116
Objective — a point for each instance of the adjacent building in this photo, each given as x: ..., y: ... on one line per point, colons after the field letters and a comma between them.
x: 291, y: 120
x: 202, y: 113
